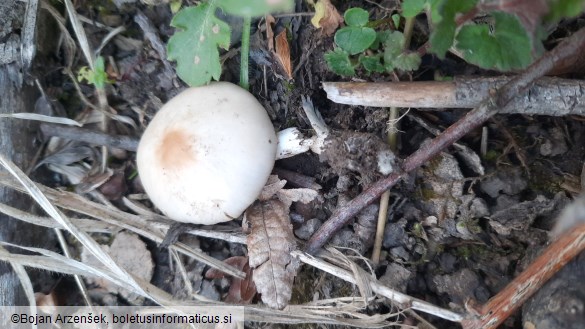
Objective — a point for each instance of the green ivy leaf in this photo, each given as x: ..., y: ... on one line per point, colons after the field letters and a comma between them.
x: 371, y: 63
x: 356, y: 17
x: 195, y: 46
x: 338, y: 61
x: 411, y: 8
x: 254, y: 8
x: 444, y: 12
x: 407, y: 62
x: 355, y: 39
x: 508, y: 48
x: 564, y: 8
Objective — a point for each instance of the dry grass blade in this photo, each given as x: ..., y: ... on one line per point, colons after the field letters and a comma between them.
x: 109, y: 37
x: 42, y: 118
x: 154, y: 228
x: 80, y: 33
x: 24, y: 281
x: 81, y: 236
x: 28, y: 44
x: 396, y: 296
x: 88, y: 225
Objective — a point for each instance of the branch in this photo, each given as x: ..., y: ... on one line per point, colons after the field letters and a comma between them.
x: 492, y: 105
x: 507, y: 301
x: 548, y: 96
x: 89, y: 136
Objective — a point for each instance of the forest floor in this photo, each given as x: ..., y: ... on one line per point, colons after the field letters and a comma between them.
x: 459, y: 228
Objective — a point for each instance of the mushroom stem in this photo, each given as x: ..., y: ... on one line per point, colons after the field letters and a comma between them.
x: 292, y: 142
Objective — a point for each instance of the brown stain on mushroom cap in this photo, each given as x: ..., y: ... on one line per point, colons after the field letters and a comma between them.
x: 176, y: 150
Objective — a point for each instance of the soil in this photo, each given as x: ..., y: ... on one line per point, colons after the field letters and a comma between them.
x: 457, y: 231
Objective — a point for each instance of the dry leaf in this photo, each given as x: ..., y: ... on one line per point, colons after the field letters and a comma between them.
x: 270, y: 32
x: 326, y: 17
x: 275, y: 188
x: 128, y: 251
x: 242, y: 291
x: 282, y: 52
x: 269, y: 246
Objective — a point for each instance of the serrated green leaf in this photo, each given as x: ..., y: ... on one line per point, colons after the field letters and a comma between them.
x: 254, y: 8
x: 371, y: 63
x: 393, y: 46
x: 564, y: 8
x: 407, y: 62
x: 354, y: 39
x: 339, y: 62
x: 411, y: 8
x: 356, y: 17
x: 508, y: 47
x: 444, y: 12
x: 195, y: 46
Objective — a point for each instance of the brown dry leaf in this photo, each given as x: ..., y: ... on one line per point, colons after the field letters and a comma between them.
x: 282, y: 52
x: 269, y: 246
x: 270, y: 32
x: 128, y: 251
x: 242, y: 291
x: 275, y: 188
x: 326, y: 17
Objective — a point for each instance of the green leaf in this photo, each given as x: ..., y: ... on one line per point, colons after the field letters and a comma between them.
x: 396, y: 20
x: 354, y: 39
x: 411, y: 8
x: 407, y: 62
x: 195, y: 45
x: 393, y: 46
x: 444, y: 12
x: 339, y: 62
x: 381, y: 37
x: 372, y: 63
x: 356, y: 17
x: 98, y: 77
x: 564, y: 8
x: 254, y: 8
x: 508, y: 48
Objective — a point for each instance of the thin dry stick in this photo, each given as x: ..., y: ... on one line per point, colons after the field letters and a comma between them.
x: 548, y: 96
x: 393, y: 142
x: 470, y: 121
x: 507, y: 301
x: 89, y: 136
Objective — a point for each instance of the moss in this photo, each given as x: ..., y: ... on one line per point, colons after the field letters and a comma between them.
x: 491, y: 155
x: 427, y: 194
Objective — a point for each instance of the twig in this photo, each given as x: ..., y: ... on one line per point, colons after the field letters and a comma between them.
x: 127, y: 143
x: 492, y: 105
x: 548, y: 96
x: 296, y: 179
x: 507, y: 301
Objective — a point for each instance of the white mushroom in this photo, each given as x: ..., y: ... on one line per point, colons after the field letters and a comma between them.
x: 207, y: 153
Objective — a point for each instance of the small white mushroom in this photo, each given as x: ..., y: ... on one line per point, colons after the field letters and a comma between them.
x: 207, y: 153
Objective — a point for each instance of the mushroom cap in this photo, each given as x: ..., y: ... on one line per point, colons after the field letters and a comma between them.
x: 207, y: 153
